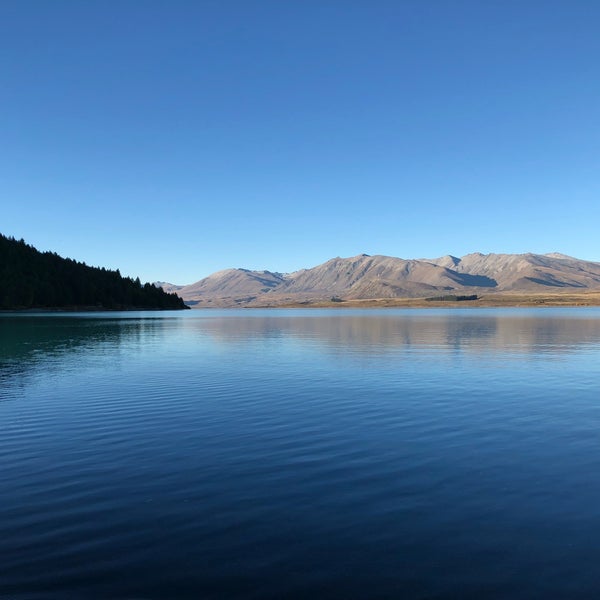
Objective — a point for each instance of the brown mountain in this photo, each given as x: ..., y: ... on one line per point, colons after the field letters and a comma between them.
x: 366, y: 277
x: 528, y: 272
x: 229, y: 287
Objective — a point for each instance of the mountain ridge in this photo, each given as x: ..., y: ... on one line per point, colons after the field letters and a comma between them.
x: 365, y: 276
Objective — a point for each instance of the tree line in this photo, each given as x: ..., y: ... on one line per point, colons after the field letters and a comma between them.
x: 452, y: 298
x: 33, y: 279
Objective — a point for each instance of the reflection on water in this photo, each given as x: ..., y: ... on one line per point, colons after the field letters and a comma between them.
x: 373, y: 330
x: 31, y: 344
x: 289, y: 454
x: 26, y: 340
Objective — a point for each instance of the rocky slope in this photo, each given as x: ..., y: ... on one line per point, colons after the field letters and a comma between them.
x: 528, y: 272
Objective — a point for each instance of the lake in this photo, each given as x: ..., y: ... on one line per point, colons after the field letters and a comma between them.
x: 300, y: 453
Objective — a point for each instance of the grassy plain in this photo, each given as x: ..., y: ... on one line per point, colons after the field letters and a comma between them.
x: 501, y: 299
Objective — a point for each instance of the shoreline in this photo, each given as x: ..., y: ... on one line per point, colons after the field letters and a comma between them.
x: 499, y: 300
x: 72, y: 309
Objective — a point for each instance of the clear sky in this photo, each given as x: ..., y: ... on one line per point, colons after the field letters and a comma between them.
x: 172, y: 139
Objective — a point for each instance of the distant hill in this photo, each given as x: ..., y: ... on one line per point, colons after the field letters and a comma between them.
x: 370, y: 277
x: 33, y: 279
x: 530, y: 272
x: 230, y: 287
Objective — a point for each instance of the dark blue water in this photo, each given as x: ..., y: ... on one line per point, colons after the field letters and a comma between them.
x: 301, y: 454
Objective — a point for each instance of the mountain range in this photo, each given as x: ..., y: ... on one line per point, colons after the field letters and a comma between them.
x: 376, y: 277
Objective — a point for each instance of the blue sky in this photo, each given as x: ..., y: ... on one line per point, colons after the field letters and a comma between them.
x: 174, y: 139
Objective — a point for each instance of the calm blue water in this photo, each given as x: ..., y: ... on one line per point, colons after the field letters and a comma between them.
x: 301, y: 454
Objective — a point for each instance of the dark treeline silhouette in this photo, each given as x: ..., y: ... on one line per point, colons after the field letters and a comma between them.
x: 33, y: 279
x: 451, y: 298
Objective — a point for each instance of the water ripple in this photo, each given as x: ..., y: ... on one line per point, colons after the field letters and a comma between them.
x: 270, y: 454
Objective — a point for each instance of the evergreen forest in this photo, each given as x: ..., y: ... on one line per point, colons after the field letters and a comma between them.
x: 33, y: 279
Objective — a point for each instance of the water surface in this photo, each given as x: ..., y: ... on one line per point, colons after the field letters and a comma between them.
x: 300, y: 453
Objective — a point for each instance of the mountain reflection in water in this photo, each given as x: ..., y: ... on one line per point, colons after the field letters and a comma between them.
x: 295, y: 453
